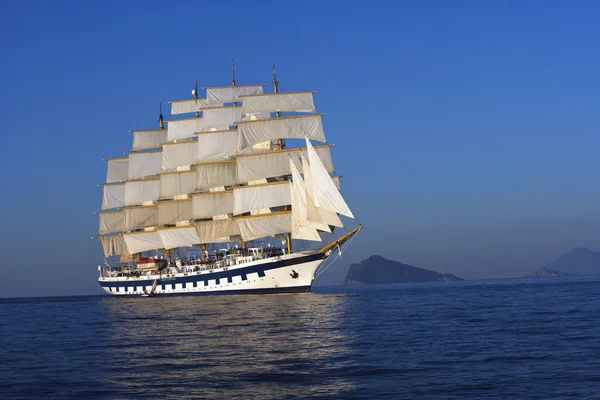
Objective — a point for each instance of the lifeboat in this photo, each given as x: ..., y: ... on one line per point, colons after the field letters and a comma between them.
x: 149, y: 264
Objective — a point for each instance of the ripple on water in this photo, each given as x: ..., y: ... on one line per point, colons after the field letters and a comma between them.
x: 489, y: 339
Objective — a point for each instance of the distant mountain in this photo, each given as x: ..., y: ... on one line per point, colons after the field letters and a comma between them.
x: 579, y: 261
x: 377, y: 269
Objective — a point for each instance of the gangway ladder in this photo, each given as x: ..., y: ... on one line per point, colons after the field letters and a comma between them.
x: 154, y: 285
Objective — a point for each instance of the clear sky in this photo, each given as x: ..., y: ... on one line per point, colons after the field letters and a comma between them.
x: 467, y: 131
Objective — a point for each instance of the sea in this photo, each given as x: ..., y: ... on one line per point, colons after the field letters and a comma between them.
x: 489, y: 339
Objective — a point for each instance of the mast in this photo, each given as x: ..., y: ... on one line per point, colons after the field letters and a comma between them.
x: 280, y: 146
x: 275, y: 82
x: 195, y: 92
x: 233, y: 72
x: 161, y: 121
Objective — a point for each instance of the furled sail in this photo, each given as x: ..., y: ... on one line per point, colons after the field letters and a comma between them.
x: 256, y: 131
x: 113, y: 196
x: 325, y: 195
x: 139, y: 217
x: 210, y: 204
x: 172, y: 212
x: 177, y: 183
x: 273, y: 102
x: 117, y: 170
x: 179, y: 154
x: 183, y: 128
x: 110, y: 221
x: 255, y: 166
x: 257, y: 197
x: 113, y: 245
x: 217, y: 145
x: 215, y: 174
x: 149, y: 139
x: 220, y: 118
x: 230, y: 94
x: 139, y: 191
x: 219, y: 230
x: 178, y: 237
x: 262, y: 225
x: 142, y: 241
x: 144, y: 164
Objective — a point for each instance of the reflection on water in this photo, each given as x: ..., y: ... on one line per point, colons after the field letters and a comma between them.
x: 463, y: 340
x: 268, y: 346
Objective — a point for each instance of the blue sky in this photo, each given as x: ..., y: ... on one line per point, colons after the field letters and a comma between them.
x: 466, y: 131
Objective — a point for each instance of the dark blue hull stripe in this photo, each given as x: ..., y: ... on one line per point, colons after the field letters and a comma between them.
x: 229, y: 274
x: 291, y: 289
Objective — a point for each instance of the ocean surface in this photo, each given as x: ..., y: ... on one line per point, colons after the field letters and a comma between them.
x: 505, y: 339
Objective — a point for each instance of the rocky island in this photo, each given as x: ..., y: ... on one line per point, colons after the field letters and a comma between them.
x: 579, y: 261
x: 378, y: 270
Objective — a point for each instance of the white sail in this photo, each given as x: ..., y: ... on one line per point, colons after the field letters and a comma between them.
x: 111, y: 221
x: 178, y: 237
x: 259, y: 226
x: 252, y: 167
x: 220, y: 118
x: 139, y: 217
x: 176, y: 183
x: 142, y: 241
x: 300, y: 230
x: 117, y: 169
x: 113, y: 196
x: 212, y: 175
x: 302, y: 227
x: 252, y: 132
x: 188, y: 106
x: 230, y: 94
x: 326, y: 195
x: 149, y: 139
x: 179, y: 155
x: 314, y: 213
x: 257, y: 197
x: 215, y: 231
x: 217, y: 145
x: 273, y: 102
x: 336, y: 181
x: 210, y: 204
x: 183, y: 128
x: 174, y: 211
x: 144, y: 164
x: 113, y: 245
x: 137, y: 192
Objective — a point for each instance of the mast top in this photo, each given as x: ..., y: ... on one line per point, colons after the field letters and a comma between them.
x: 275, y: 81
x: 161, y: 122
x: 195, y: 90
x: 233, y: 72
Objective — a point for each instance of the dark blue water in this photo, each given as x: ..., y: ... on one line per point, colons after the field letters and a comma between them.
x: 484, y: 339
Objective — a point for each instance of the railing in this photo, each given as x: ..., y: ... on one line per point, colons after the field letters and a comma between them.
x: 188, y: 265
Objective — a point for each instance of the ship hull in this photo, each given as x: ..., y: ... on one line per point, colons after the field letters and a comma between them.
x: 293, y: 273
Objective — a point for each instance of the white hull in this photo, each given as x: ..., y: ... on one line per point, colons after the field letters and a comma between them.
x: 285, y: 273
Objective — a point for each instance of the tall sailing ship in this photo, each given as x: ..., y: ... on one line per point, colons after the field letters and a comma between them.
x: 219, y: 202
